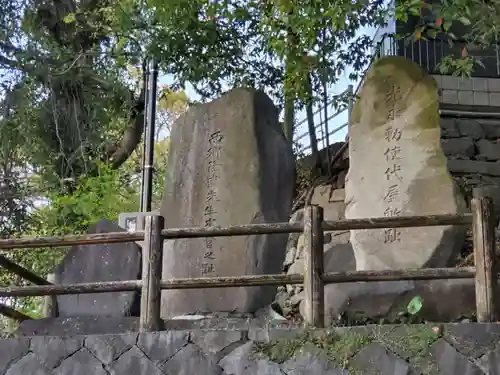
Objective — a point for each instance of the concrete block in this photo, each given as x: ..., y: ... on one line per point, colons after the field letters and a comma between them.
x: 465, y: 84
x: 493, y: 84
x: 466, y: 97
x: 481, y: 98
x: 494, y: 99
x: 479, y: 84
x: 449, y: 82
x: 450, y: 96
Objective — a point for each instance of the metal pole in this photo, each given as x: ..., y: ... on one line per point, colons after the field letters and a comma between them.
x: 350, y: 90
x: 145, y: 78
x: 150, y: 135
x: 350, y: 102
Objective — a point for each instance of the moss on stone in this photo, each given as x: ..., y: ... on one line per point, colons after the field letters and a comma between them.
x: 412, y: 343
x: 415, y: 341
x: 338, y: 348
x: 416, y: 86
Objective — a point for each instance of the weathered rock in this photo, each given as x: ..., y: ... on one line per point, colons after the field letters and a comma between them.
x: 458, y: 146
x: 94, y: 263
x: 449, y: 128
x: 470, y: 128
x: 489, y: 149
x: 326, y: 197
x: 214, y: 178
x: 444, y: 300
x: 473, y: 166
x: 375, y: 359
x: 490, y: 127
x: 338, y: 254
x: 311, y: 360
x: 80, y: 325
x: 395, y: 131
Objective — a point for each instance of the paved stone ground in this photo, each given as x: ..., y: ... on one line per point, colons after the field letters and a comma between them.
x: 451, y: 349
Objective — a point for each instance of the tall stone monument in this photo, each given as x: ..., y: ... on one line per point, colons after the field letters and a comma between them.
x: 397, y: 168
x: 229, y: 164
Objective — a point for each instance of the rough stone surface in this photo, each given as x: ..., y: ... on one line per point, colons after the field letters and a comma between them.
x: 450, y: 349
x: 395, y: 130
x: 94, y: 263
x: 309, y: 361
x: 445, y: 300
x: 70, y: 326
x: 215, y: 179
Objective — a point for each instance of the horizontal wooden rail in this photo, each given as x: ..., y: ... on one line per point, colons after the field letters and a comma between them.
x: 239, y: 281
x: 167, y: 234
x: 235, y: 230
x: 398, y: 222
x: 9, y: 312
x: 399, y: 275
x: 87, y: 239
x: 240, y: 230
x: 62, y: 289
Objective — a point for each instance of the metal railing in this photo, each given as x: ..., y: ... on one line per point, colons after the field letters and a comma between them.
x: 428, y: 53
x: 313, y: 277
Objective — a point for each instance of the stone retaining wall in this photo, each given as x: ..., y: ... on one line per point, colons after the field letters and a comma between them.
x: 473, y: 150
x: 451, y: 349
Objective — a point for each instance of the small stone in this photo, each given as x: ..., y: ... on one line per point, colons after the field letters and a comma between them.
x: 290, y: 256
x: 296, y: 267
x: 297, y: 298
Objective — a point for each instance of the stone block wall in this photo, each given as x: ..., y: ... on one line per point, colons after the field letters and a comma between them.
x: 451, y: 349
x: 473, y: 150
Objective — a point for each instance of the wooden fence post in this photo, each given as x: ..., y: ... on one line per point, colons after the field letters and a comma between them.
x: 483, y: 227
x: 313, y: 267
x: 50, y: 302
x: 152, y: 254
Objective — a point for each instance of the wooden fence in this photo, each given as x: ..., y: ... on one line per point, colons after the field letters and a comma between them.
x: 314, y: 278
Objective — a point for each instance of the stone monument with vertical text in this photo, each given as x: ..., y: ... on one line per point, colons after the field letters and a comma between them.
x: 397, y: 168
x: 229, y: 164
